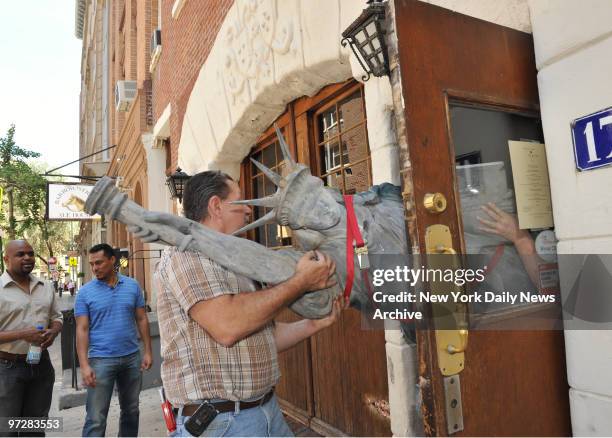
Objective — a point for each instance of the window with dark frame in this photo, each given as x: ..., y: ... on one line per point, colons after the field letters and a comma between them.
x: 270, y: 155
x: 340, y: 151
x: 342, y: 144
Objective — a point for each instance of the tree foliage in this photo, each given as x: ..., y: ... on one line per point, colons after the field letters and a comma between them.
x: 24, y: 207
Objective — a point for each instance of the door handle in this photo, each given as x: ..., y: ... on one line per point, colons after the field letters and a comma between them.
x: 441, y: 249
x: 463, y: 343
x: 434, y: 203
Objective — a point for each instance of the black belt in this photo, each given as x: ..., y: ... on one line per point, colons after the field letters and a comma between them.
x: 227, y: 405
x: 12, y: 357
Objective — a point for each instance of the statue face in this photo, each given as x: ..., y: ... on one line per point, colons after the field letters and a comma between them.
x: 306, y: 204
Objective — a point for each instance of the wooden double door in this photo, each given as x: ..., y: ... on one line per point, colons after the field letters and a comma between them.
x: 468, y: 87
x: 334, y: 383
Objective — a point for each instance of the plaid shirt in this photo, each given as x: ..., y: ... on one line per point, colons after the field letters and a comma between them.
x: 195, y: 366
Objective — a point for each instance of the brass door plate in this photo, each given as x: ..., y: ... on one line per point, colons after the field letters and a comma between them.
x: 447, y: 316
x: 449, y: 363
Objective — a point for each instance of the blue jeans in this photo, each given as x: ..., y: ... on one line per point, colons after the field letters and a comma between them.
x: 124, y: 370
x: 265, y: 420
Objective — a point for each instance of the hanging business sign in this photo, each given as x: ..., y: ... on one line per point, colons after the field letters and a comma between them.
x: 592, y: 137
x: 66, y: 201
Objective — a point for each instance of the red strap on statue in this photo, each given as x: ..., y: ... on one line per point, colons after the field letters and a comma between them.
x: 499, y: 252
x: 352, y: 235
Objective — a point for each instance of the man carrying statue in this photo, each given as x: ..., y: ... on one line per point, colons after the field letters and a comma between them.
x: 219, y: 341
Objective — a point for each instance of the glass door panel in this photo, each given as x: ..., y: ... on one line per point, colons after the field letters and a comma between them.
x: 486, y: 194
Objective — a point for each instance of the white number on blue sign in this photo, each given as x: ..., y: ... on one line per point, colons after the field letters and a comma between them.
x: 592, y: 136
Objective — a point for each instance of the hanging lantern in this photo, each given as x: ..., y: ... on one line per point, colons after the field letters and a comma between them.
x: 366, y: 36
x: 176, y: 184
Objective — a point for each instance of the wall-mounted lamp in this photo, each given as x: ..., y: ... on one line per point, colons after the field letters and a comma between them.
x: 366, y: 36
x: 176, y: 184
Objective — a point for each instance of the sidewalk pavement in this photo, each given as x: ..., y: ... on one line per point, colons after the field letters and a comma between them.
x: 151, y: 420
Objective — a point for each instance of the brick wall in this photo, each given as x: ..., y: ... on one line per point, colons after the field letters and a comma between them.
x: 186, y: 43
x: 144, y: 25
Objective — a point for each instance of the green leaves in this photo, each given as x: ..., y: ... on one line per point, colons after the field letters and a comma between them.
x: 23, y: 207
x: 10, y: 152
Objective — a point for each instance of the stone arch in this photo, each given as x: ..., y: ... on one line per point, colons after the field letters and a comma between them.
x: 267, y: 53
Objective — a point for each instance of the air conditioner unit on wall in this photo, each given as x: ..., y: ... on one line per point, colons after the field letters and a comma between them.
x: 125, y: 93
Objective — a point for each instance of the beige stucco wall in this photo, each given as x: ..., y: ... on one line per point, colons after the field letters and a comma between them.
x: 573, y: 42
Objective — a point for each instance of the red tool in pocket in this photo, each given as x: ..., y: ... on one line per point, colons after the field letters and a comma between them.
x: 168, y: 412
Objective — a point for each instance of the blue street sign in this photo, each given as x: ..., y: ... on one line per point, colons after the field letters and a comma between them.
x: 592, y: 137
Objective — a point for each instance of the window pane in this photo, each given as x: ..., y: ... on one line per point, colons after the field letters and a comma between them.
x: 333, y: 180
x: 357, y: 177
x: 269, y: 187
x: 328, y: 125
x: 350, y: 111
x: 269, y: 156
x: 273, y: 239
x: 360, y: 36
x: 371, y: 29
x: 355, y: 145
x: 330, y: 156
x: 279, y: 156
x: 484, y: 174
x: 254, y: 169
x: 260, y: 235
x: 258, y: 186
x: 268, y: 234
x: 258, y: 189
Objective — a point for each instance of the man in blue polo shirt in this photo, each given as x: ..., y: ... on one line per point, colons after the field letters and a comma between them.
x: 109, y: 310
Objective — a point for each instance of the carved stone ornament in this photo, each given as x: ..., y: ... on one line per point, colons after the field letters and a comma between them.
x: 252, y: 39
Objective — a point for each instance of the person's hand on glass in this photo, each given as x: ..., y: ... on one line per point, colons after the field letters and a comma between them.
x: 500, y: 223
